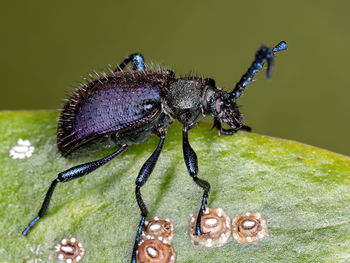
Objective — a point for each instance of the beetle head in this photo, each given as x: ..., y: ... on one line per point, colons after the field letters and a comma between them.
x: 227, y: 111
x: 222, y: 106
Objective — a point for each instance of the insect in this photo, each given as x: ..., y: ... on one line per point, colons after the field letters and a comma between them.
x: 130, y: 106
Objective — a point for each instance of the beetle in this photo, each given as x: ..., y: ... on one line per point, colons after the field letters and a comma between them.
x: 130, y: 106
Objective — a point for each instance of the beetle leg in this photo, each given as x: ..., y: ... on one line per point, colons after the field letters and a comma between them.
x: 137, y: 62
x: 217, y: 125
x: 72, y: 173
x: 192, y: 167
x: 144, y: 174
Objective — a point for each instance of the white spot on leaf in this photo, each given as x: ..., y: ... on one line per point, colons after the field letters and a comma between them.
x: 22, y: 150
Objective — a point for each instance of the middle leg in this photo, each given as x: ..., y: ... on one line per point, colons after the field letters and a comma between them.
x: 144, y: 174
x: 192, y: 167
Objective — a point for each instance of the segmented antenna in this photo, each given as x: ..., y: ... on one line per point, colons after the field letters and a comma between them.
x: 263, y: 55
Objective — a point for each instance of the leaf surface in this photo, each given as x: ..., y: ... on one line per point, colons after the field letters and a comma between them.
x: 303, y: 191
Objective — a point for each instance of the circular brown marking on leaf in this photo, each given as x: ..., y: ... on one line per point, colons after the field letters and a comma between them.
x: 155, y: 251
x: 70, y: 250
x: 249, y: 227
x: 158, y: 228
x: 215, y: 227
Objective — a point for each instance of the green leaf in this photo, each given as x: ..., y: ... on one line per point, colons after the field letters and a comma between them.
x: 303, y: 191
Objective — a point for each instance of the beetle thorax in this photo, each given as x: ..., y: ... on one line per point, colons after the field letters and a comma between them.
x: 183, y: 101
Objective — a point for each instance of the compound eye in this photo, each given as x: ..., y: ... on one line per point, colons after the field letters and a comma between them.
x: 218, y: 106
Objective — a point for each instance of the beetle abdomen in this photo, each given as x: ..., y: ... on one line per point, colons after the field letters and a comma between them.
x: 117, y: 103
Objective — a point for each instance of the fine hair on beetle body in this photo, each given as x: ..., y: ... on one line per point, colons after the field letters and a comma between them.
x: 130, y: 106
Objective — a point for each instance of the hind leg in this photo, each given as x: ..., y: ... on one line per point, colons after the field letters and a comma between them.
x: 70, y: 174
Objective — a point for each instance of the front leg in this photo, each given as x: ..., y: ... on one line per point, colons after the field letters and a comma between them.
x: 192, y: 167
x: 217, y: 125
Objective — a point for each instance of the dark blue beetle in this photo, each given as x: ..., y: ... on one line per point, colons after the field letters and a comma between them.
x: 131, y: 106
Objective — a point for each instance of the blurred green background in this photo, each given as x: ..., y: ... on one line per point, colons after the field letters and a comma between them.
x: 46, y: 46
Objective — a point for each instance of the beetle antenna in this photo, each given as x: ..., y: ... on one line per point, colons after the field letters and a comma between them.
x: 263, y: 55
